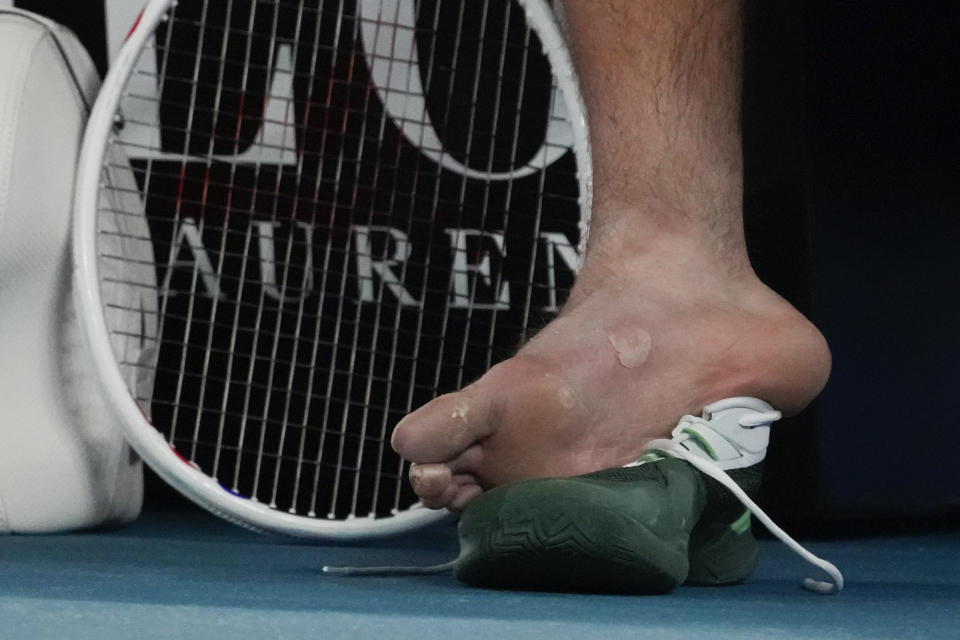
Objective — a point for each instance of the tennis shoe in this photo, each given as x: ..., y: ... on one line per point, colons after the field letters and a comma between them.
x: 667, y: 519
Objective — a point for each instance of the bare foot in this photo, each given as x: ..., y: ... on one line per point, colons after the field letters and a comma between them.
x: 640, y: 343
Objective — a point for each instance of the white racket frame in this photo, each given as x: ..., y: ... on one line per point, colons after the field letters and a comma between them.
x: 150, y: 443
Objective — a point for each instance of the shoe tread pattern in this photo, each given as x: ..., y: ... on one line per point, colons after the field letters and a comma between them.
x: 558, y: 540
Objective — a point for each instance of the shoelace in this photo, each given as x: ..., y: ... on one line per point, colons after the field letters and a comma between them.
x: 676, y: 450
x: 707, y: 467
x: 390, y: 570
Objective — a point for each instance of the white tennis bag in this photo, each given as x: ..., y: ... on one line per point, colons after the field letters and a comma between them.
x: 63, y: 461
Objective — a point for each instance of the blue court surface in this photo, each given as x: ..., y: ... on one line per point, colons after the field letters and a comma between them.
x: 185, y: 574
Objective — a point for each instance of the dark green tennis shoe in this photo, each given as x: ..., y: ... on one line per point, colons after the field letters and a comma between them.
x: 645, y: 528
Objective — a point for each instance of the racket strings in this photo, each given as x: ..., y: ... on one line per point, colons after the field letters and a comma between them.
x: 306, y: 304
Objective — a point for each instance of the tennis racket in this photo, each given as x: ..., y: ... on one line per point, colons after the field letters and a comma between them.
x: 297, y: 222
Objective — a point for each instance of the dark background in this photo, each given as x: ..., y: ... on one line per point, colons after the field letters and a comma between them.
x: 851, y: 139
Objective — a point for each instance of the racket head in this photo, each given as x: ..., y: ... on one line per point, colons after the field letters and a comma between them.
x: 119, y: 295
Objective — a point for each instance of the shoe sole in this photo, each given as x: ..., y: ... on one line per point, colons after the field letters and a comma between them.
x: 566, y: 536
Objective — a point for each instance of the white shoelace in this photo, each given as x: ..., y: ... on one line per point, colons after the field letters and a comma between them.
x: 676, y: 450
x: 390, y: 570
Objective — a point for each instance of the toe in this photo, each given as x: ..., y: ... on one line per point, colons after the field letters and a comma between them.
x: 470, y: 461
x: 444, y: 428
x: 430, y: 480
x: 461, y: 490
x: 465, y: 493
x: 441, y: 501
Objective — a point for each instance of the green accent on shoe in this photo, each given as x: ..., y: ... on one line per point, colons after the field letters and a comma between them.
x: 701, y: 442
x: 652, y: 456
x: 741, y: 524
x: 622, y: 530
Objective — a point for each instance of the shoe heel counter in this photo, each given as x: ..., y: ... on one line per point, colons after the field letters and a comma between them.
x: 723, y: 549
x: 722, y: 553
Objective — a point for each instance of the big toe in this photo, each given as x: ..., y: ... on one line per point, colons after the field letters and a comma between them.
x: 443, y: 428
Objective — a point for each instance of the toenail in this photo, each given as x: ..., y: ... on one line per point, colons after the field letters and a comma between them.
x: 430, y: 480
x: 632, y: 347
x: 416, y: 476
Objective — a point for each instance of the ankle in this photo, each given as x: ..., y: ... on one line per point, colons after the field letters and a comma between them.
x: 676, y: 269
x: 633, y: 246
x: 710, y: 231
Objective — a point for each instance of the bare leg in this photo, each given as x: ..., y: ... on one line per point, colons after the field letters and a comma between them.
x: 667, y: 315
x: 662, y: 85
